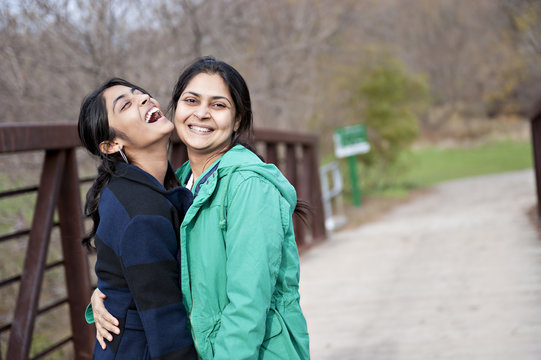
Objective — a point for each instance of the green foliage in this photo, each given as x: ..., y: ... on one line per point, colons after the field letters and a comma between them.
x: 388, y: 99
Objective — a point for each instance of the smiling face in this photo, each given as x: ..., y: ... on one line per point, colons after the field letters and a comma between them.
x: 205, y: 116
x: 137, y: 119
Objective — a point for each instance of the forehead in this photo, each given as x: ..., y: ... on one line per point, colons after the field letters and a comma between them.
x: 208, y: 84
x: 113, y: 93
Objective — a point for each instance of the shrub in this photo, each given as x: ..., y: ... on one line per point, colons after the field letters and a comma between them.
x: 388, y: 99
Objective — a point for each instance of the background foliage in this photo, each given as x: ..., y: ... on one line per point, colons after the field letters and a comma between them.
x: 388, y: 100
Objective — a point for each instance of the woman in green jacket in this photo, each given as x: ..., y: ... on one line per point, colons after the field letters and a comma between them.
x: 240, y: 264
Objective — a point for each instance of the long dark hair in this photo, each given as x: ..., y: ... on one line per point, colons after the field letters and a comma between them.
x: 93, y: 128
x: 243, y: 105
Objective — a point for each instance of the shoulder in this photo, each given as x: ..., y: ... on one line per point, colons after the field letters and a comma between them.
x: 238, y: 154
x: 251, y: 186
x: 138, y: 199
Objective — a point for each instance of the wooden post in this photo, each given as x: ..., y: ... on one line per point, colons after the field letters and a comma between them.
x: 75, y: 259
x: 20, y: 338
x: 318, y: 223
x: 536, y: 147
x: 271, y: 153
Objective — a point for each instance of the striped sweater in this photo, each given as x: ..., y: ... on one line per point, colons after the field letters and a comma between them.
x: 137, y: 243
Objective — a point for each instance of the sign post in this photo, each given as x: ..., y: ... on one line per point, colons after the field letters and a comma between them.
x: 348, y: 142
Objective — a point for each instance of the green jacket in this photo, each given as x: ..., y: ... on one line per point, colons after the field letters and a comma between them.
x: 240, y: 265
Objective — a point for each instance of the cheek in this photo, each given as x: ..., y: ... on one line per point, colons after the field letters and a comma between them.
x: 227, y: 120
x: 180, y: 116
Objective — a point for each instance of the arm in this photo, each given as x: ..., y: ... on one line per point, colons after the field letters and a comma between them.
x: 254, y: 239
x: 148, y: 253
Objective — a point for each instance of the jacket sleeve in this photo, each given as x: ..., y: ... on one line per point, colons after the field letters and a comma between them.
x: 148, y: 253
x: 89, y: 314
x: 254, y: 238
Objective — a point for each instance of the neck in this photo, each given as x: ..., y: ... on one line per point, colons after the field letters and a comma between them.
x: 153, y: 162
x: 199, y: 162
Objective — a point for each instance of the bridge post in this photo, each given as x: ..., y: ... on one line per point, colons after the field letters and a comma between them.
x: 20, y: 338
x: 536, y: 147
x: 75, y: 260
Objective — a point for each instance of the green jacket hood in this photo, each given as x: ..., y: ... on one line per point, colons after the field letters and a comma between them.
x: 240, y: 158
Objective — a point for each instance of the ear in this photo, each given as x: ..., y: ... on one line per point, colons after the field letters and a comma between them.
x: 237, y: 124
x: 110, y: 146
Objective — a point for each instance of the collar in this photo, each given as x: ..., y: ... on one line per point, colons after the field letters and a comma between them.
x: 179, y: 196
x: 202, y: 179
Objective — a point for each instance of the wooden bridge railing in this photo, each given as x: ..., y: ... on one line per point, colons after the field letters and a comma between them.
x: 59, y: 189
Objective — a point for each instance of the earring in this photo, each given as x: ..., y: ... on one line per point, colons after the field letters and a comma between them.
x: 123, y: 155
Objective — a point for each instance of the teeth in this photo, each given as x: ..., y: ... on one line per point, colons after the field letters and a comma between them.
x: 201, y: 129
x: 150, y: 112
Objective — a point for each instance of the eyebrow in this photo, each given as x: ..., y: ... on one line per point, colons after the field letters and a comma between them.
x: 215, y: 97
x: 132, y: 90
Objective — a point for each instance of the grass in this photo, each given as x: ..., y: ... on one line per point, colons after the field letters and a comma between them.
x: 433, y: 165
x: 425, y: 167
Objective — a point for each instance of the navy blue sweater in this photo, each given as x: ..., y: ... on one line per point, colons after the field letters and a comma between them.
x: 137, y: 243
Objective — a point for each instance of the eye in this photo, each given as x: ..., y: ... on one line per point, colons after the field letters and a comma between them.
x: 125, y: 105
x: 219, y: 105
x: 189, y: 100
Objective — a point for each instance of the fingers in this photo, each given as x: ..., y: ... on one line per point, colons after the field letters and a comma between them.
x: 100, y: 294
x: 104, y: 319
x: 105, y: 322
x: 101, y: 341
x: 108, y: 322
x: 96, y: 295
x: 102, y: 334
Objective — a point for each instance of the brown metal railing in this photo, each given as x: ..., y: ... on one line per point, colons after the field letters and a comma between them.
x: 536, y: 142
x: 59, y: 189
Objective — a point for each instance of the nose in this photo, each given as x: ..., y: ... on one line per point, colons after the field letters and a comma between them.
x: 201, y: 112
x: 143, y: 99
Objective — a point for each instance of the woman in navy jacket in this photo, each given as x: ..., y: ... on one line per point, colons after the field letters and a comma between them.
x: 137, y: 207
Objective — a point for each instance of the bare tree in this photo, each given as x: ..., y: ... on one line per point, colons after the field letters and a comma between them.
x: 524, y: 18
x: 57, y: 51
x: 52, y: 52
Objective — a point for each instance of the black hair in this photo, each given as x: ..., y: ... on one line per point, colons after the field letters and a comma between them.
x: 93, y: 128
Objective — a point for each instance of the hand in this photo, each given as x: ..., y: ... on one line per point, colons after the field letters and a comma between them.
x: 105, y: 322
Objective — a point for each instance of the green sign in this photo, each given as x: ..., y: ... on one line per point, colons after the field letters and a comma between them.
x: 350, y: 140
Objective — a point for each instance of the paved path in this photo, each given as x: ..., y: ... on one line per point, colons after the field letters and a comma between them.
x: 454, y: 274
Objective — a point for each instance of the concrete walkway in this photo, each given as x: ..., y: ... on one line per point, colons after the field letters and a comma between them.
x: 454, y: 274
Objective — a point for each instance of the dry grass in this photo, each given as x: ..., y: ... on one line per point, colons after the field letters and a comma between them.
x: 461, y: 131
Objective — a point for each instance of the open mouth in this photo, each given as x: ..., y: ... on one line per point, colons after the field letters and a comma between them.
x: 153, y: 115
